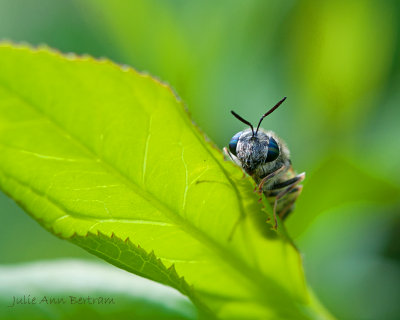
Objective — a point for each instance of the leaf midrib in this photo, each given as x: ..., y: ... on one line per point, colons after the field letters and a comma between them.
x: 248, y: 273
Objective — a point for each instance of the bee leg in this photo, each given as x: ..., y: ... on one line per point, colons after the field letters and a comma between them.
x: 286, y: 210
x: 266, y: 178
x: 289, y: 185
x: 230, y: 155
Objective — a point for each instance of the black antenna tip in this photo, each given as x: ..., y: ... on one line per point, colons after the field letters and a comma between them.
x: 243, y: 120
x: 269, y: 112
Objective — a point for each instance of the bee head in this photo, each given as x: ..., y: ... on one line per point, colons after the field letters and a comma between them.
x: 253, y: 151
x: 254, y: 148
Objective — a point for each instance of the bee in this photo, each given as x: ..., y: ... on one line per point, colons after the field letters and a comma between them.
x: 266, y: 158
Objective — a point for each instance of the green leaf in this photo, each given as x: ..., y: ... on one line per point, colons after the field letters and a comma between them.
x: 108, y: 158
x: 92, y: 290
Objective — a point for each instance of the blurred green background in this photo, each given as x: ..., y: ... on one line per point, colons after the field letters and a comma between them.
x: 338, y: 62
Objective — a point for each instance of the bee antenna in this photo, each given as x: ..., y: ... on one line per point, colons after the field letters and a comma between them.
x: 269, y: 112
x: 244, y: 121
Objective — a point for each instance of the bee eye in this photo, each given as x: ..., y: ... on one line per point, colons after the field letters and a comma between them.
x: 273, y: 150
x: 233, y: 143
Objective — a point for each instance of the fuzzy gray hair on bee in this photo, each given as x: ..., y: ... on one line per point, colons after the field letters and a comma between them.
x: 265, y: 157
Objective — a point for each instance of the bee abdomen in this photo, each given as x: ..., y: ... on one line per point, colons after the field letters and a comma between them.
x: 283, y: 193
